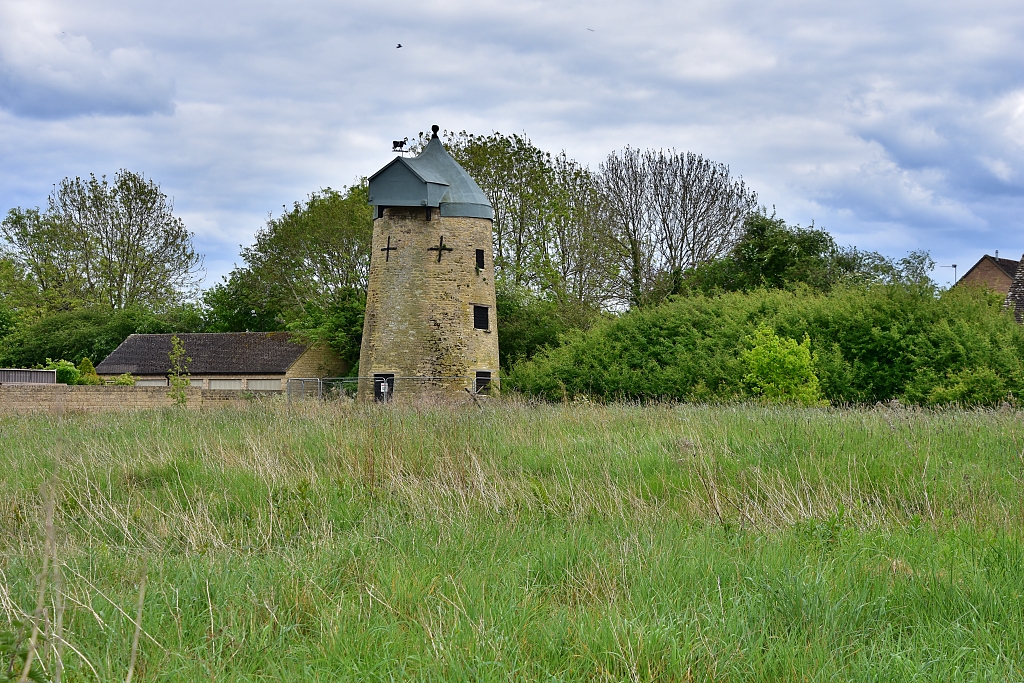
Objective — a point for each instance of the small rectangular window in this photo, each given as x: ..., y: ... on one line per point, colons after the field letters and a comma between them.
x: 480, y: 259
x: 483, y: 382
x: 481, y: 319
x: 264, y: 385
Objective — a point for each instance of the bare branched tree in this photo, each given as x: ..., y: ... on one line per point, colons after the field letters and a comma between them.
x: 699, y: 209
x: 624, y: 185
x: 670, y: 212
x: 580, y: 242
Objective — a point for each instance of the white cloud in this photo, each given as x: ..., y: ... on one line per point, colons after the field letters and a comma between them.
x: 897, y: 126
x: 999, y: 168
x: 47, y: 72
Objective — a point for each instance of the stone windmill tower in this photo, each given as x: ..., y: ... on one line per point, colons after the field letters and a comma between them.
x: 430, y: 321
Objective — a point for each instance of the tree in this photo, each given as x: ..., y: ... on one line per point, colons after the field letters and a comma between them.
x: 580, y: 243
x: 178, y: 375
x: 781, y: 371
x: 306, y: 272
x: 115, y: 245
x: 669, y: 212
x: 89, y: 332
x: 312, y: 253
x: 237, y: 305
x: 772, y: 254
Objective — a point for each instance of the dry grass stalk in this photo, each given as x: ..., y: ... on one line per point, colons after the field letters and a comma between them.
x: 41, y: 596
x: 138, y: 622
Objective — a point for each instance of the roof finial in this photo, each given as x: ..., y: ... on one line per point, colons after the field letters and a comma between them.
x: 434, y: 128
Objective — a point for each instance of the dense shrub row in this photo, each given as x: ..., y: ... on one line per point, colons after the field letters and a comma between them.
x: 87, y: 333
x: 869, y: 343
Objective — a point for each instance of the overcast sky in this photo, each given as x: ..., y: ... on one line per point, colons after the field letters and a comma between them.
x: 895, y: 125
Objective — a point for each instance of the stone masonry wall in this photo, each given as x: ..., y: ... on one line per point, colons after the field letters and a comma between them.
x: 58, y: 398
x: 419, y: 312
x: 318, y: 361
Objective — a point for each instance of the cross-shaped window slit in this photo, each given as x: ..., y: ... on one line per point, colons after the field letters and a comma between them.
x: 388, y: 249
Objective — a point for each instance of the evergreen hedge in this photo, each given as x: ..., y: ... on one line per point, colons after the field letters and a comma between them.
x: 870, y: 343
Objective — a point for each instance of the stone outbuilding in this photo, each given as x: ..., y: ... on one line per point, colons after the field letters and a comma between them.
x: 430, y: 327
x: 992, y: 272
x: 244, y: 361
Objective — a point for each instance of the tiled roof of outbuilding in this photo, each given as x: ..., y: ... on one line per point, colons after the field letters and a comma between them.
x: 229, y: 353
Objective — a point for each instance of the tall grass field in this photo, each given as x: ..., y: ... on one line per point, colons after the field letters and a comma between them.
x: 526, y: 542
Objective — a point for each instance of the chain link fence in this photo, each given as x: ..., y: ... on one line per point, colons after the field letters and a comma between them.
x: 386, y: 387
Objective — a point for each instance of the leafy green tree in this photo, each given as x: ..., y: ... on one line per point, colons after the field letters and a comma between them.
x: 91, y: 332
x: 97, y: 243
x: 772, y: 254
x: 67, y: 373
x: 19, y: 295
x: 87, y: 373
x: 305, y: 272
x: 178, y: 375
x: 781, y: 371
x: 339, y: 324
x: 237, y: 305
x: 315, y: 250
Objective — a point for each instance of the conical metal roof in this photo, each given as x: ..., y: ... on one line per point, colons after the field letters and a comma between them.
x: 442, y: 183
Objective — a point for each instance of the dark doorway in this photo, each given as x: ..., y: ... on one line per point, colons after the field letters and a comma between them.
x: 383, y: 387
x: 483, y: 382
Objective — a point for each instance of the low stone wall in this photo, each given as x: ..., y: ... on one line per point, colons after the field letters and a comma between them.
x: 58, y: 398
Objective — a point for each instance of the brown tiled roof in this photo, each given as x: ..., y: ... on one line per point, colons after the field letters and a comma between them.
x: 1015, y: 297
x: 229, y: 353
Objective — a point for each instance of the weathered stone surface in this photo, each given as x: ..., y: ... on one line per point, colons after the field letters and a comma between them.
x: 419, y: 311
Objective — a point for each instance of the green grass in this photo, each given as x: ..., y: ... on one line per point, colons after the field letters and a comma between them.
x: 524, y: 542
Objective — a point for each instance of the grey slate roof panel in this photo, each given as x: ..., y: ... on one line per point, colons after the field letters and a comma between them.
x: 448, y: 186
x: 228, y: 353
x: 1008, y: 266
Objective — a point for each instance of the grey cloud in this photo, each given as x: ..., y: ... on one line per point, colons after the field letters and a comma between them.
x: 896, y: 125
x: 48, y: 74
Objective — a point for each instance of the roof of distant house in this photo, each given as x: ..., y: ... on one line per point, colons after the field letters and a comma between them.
x: 1008, y: 266
x: 228, y: 353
